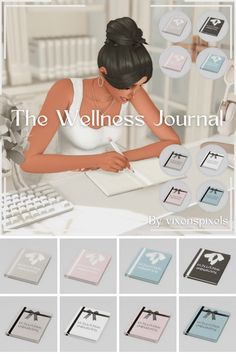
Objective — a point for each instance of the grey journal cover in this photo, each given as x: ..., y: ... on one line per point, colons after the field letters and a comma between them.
x: 175, y: 26
x: 28, y: 266
x: 29, y: 325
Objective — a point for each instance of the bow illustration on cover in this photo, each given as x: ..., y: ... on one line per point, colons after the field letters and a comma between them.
x: 212, y: 154
x: 214, y: 190
x: 95, y: 313
x: 94, y: 258
x: 211, y: 313
x: 153, y: 313
x: 178, y: 155
x: 31, y: 313
x: 176, y: 190
x: 155, y: 257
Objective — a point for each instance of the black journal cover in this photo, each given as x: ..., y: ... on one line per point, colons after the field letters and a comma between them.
x: 207, y: 266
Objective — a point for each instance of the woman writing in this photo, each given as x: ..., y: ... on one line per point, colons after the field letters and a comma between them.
x: 124, y: 66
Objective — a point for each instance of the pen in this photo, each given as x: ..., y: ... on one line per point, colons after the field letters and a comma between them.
x: 142, y: 178
x: 116, y: 148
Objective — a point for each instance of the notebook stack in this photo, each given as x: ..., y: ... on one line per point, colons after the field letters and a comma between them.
x: 58, y: 57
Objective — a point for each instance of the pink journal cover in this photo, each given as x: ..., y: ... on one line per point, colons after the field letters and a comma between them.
x: 148, y: 325
x: 175, y: 62
x: 89, y: 266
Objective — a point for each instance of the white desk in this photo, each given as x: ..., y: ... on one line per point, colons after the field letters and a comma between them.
x: 136, y: 205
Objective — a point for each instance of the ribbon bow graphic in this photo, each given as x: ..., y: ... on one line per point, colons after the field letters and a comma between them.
x: 31, y: 313
x: 176, y: 190
x: 155, y: 257
x: 34, y: 257
x: 177, y: 155
x: 153, y: 313
x: 215, y: 21
x: 211, y: 313
x: 178, y: 21
x: 179, y: 57
x: 95, y: 313
x: 94, y: 258
x: 213, y: 190
x: 213, y: 258
x: 212, y: 154
x: 216, y: 59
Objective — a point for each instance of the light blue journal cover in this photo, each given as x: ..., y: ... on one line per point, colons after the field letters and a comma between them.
x: 208, y: 324
x: 212, y: 196
x: 213, y: 63
x: 149, y: 265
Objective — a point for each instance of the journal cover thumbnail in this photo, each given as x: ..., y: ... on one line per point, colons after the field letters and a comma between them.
x: 207, y: 266
x: 212, y: 161
x: 213, y: 63
x: 175, y: 62
x: 88, y: 324
x: 207, y: 324
x: 89, y: 266
x: 148, y: 325
x: 175, y: 196
x: 149, y: 265
x: 212, y: 26
x: 29, y: 325
x: 28, y: 266
x: 175, y: 26
x: 212, y: 196
x: 175, y: 161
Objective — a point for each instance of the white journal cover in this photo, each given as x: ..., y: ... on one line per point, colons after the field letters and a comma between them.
x: 88, y: 324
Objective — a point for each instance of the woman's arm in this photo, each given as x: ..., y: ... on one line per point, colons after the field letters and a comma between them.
x: 59, y: 98
x: 145, y: 107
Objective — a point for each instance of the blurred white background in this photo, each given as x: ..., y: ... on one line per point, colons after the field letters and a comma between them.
x: 191, y: 94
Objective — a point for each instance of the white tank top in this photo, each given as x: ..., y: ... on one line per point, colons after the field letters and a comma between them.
x: 79, y: 139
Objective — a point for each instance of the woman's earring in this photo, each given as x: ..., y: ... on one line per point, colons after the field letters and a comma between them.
x: 100, y: 81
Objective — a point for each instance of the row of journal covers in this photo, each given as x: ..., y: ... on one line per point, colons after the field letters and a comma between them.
x: 149, y: 265
x: 89, y: 323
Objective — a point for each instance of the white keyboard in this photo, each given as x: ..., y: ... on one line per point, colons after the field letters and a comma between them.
x: 32, y: 204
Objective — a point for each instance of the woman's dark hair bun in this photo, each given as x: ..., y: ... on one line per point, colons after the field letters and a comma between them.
x: 123, y: 55
x: 124, y: 32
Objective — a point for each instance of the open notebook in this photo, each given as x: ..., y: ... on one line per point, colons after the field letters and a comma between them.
x: 147, y: 173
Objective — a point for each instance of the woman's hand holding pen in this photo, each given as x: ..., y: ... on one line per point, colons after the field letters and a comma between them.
x: 112, y: 161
